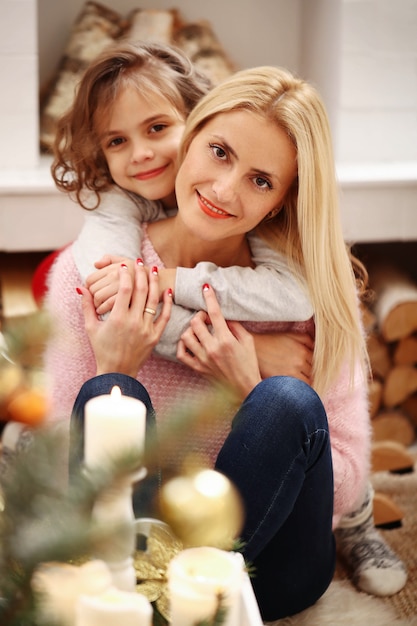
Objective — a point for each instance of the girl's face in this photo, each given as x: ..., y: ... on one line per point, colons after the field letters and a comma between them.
x: 140, y: 142
x: 238, y: 168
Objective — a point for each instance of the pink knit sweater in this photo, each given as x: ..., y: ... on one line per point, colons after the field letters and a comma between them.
x: 69, y: 362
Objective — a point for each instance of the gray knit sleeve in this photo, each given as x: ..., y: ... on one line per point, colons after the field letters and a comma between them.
x: 115, y: 227
x: 269, y: 292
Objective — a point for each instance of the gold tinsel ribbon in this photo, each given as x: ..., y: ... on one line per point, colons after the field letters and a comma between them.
x: 151, y: 566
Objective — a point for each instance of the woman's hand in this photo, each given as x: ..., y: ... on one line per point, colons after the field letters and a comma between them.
x: 125, y: 340
x: 285, y: 354
x: 225, y: 353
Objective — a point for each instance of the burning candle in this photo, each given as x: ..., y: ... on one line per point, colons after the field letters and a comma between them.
x: 114, y: 424
x: 201, y: 578
x: 113, y: 608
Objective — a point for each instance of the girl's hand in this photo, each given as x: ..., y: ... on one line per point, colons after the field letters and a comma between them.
x: 285, y: 354
x: 124, y: 341
x: 104, y: 284
x: 225, y: 353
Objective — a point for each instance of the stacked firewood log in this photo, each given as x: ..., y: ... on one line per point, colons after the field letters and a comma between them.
x: 98, y: 26
x: 392, y: 346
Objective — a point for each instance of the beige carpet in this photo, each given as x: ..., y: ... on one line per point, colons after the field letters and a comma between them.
x: 342, y: 604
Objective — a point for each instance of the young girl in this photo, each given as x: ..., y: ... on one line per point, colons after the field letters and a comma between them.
x: 308, y: 452
x: 97, y: 119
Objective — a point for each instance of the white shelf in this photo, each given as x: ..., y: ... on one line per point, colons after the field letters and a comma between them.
x: 369, y: 174
x: 25, y: 181
x: 34, y: 215
x: 378, y: 203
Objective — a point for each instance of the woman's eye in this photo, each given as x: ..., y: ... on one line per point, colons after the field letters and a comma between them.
x: 218, y: 151
x: 262, y: 183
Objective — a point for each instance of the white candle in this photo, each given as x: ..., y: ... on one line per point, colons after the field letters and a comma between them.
x: 61, y: 584
x: 114, y: 608
x: 114, y: 424
x: 196, y: 577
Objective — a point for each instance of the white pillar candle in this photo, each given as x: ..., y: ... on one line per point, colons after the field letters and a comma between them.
x: 196, y: 577
x: 114, y: 608
x: 114, y: 424
x: 59, y: 586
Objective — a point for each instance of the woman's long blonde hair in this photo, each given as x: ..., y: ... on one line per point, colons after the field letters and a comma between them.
x: 308, y: 227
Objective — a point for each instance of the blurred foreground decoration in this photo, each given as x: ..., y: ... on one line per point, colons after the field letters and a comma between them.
x: 45, y: 519
x: 22, y: 387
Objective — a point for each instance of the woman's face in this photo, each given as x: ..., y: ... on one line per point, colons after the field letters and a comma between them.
x: 140, y: 142
x: 238, y: 168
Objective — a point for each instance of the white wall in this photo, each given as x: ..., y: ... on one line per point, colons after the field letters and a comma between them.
x: 253, y: 32
x: 19, y: 85
x: 378, y: 99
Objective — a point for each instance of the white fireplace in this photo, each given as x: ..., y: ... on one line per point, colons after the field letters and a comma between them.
x: 362, y: 55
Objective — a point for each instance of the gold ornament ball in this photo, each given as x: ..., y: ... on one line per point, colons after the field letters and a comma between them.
x: 203, y: 509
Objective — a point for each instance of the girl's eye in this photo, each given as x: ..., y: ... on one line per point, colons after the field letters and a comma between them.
x: 218, y: 151
x: 157, y: 128
x: 115, y: 142
x: 262, y: 183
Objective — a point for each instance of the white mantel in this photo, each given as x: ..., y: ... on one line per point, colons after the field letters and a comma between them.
x: 378, y: 203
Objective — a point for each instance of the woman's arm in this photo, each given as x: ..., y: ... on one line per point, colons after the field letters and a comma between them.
x: 68, y: 357
x: 285, y: 354
x: 347, y: 409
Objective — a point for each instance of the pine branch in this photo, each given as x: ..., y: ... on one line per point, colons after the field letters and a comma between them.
x: 44, y: 519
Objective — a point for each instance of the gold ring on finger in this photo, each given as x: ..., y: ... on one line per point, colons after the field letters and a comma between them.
x: 149, y: 310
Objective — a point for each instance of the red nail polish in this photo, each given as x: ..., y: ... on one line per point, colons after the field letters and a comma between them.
x: 206, y: 287
x: 155, y: 270
x: 139, y: 261
x: 170, y: 292
x: 123, y: 265
x: 78, y: 290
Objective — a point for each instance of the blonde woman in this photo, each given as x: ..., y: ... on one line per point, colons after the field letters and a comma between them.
x: 257, y: 155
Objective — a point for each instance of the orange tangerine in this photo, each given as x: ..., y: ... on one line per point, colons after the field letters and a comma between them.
x: 28, y: 406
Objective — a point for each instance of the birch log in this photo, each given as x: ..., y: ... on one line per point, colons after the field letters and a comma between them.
x: 395, y: 303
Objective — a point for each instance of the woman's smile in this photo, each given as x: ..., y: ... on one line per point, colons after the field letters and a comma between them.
x: 209, y: 209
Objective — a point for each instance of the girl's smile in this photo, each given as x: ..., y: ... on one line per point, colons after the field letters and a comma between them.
x: 150, y: 173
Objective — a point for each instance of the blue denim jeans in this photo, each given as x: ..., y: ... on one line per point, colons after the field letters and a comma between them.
x: 278, y: 456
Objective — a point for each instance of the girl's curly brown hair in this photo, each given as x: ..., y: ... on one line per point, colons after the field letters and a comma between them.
x: 152, y: 68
